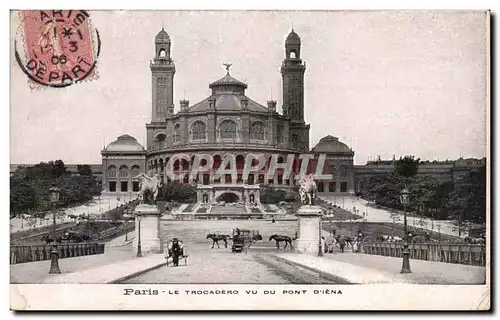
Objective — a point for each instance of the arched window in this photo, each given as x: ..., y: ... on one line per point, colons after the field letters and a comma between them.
x: 198, y: 130
x: 163, y: 53
x: 228, y: 129
x: 293, y: 55
x: 257, y: 130
x: 279, y: 134
x: 160, y: 140
x: 135, y: 171
x: 177, y: 134
x: 123, y: 172
x: 111, y: 172
x: 294, y: 141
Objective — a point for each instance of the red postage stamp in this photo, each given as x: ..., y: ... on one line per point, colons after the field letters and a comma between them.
x: 57, y: 48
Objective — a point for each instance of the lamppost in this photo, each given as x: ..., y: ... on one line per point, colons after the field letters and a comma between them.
x: 139, y: 252
x: 360, y: 240
x: 439, y: 232
x: 54, y: 262
x: 320, y: 247
x: 126, y: 217
x: 405, y: 200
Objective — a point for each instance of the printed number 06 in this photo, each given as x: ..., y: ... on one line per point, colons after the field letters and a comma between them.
x: 59, y: 59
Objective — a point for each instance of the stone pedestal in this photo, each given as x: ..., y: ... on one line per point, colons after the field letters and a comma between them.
x: 308, y: 219
x: 150, y: 228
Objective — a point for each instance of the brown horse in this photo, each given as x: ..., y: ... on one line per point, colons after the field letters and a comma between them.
x: 218, y: 237
x: 280, y: 238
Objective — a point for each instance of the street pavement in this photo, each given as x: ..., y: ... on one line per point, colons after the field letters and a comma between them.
x: 373, y: 214
x: 221, y: 266
x: 371, y: 269
x: 37, y: 272
x: 110, y: 273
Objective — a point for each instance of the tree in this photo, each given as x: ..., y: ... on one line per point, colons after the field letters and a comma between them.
x: 407, y: 166
x: 460, y: 201
x: 479, y: 201
x: 271, y: 195
x: 385, y: 189
x: 175, y: 191
x: 22, y: 197
x: 84, y: 170
x: 422, y: 191
x: 30, y: 187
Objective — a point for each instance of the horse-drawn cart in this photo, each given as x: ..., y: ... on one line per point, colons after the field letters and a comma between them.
x: 243, y: 239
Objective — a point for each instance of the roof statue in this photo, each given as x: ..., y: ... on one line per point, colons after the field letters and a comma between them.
x: 227, y: 65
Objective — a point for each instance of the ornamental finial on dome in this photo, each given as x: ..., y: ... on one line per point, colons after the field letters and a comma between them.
x: 227, y: 65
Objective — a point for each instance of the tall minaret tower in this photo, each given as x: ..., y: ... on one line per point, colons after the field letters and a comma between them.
x: 162, y: 76
x: 292, y: 72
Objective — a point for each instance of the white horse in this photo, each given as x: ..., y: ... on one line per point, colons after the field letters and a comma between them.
x: 148, y: 183
x: 307, y: 190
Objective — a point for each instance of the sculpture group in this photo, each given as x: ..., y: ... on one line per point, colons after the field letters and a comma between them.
x: 149, y: 186
x: 307, y: 190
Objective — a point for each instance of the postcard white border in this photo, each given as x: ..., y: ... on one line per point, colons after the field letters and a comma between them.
x: 355, y: 297
x: 347, y: 297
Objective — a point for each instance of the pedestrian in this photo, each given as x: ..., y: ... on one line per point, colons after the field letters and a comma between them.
x: 175, y: 251
x: 341, y: 243
x: 273, y: 221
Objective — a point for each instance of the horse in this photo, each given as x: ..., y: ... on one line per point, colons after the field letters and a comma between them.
x: 218, y: 237
x: 348, y: 240
x: 48, y: 239
x: 279, y: 238
x: 75, y: 237
x: 386, y: 238
x: 148, y: 183
x: 472, y: 240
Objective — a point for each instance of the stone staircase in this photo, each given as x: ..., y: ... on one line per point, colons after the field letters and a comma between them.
x: 228, y: 210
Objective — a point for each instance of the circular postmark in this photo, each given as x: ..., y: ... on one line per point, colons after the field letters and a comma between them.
x: 57, y: 48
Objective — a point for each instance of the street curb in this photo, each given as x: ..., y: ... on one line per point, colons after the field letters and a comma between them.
x: 329, y: 276
x: 138, y: 273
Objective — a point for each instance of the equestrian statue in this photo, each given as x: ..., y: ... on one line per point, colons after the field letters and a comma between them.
x: 307, y: 190
x: 149, y: 186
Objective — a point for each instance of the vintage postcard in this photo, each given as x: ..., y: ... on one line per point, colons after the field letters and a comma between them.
x: 250, y: 160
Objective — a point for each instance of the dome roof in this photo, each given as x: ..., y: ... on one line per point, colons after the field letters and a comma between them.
x: 125, y: 143
x: 229, y: 95
x: 292, y: 38
x: 330, y: 144
x: 228, y: 102
x: 162, y: 36
x: 227, y: 80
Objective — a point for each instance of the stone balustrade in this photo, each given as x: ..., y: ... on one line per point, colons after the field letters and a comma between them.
x: 33, y: 253
x: 471, y: 254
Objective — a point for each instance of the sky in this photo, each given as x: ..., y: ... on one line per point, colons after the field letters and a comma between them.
x: 385, y: 83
